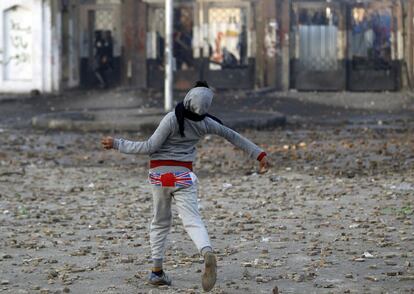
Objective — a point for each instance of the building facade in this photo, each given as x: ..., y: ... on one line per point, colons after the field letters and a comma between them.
x: 331, y: 45
x: 26, y: 50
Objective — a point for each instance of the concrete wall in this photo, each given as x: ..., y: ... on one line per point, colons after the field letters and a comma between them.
x: 29, y: 47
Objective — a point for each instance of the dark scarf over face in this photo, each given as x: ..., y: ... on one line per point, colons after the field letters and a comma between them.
x: 181, y: 112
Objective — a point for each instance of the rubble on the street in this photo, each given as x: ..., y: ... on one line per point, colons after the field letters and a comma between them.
x: 334, y: 214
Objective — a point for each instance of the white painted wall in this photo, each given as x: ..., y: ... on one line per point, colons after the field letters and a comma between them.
x: 28, y: 60
x: 56, y: 47
x: 18, y: 44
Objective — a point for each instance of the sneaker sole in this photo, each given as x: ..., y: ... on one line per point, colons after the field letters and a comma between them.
x: 159, y: 283
x: 210, y: 272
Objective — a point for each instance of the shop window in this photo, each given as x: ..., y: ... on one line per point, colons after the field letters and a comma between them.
x: 371, y: 38
x: 182, y: 37
x: 318, y: 33
x: 227, y: 38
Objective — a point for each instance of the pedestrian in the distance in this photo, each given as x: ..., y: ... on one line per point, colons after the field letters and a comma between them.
x: 172, y: 153
x: 108, y: 46
x: 101, y: 59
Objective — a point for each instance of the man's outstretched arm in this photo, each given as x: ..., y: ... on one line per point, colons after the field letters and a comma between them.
x: 142, y: 147
x: 238, y: 140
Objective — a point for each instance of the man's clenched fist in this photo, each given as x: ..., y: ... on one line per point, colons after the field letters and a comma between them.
x: 263, y: 165
x: 107, y: 143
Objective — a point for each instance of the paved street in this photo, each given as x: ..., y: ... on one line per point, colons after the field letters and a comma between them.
x: 333, y: 215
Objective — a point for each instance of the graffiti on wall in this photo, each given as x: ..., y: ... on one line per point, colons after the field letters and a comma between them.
x: 20, y: 44
x: 19, y: 39
x: 17, y: 58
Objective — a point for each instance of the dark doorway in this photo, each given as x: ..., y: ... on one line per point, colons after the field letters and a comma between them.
x: 99, y: 64
x: 186, y: 66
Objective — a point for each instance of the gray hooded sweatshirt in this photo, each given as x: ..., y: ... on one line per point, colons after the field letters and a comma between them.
x: 167, y: 144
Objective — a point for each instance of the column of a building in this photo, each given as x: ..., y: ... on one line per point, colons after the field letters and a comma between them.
x: 401, y: 76
x: 47, y: 68
x: 272, y: 55
x: 411, y: 41
x: 283, y: 61
x: 272, y: 51
x: 260, y: 35
x: 134, y: 34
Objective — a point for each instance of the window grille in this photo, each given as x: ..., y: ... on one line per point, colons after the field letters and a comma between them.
x: 104, y: 20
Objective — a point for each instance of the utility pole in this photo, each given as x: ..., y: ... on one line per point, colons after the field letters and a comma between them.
x: 168, y: 85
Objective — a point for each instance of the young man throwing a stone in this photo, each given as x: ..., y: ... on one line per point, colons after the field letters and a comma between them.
x: 172, y: 153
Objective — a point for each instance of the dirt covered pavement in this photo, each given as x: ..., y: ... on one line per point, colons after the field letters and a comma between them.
x: 333, y: 215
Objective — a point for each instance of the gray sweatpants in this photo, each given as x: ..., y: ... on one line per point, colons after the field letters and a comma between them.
x: 187, y: 205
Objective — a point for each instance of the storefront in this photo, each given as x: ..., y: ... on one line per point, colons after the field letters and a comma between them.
x: 245, y: 44
x: 213, y: 41
x: 350, y: 45
x: 236, y: 44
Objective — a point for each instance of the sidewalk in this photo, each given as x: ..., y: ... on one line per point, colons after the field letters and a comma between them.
x: 136, y: 111
x: 370, y: 101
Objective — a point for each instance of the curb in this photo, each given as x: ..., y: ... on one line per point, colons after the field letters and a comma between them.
x: 54, y: 122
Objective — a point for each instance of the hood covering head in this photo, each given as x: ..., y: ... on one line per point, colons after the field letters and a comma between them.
x: 198, y: 100
x: 195, y: 105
